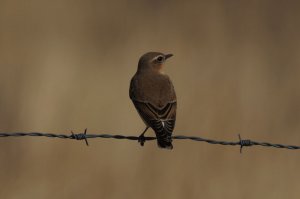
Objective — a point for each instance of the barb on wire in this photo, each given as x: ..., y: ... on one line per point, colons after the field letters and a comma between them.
x: 84, y: 136
x: 80, y: 136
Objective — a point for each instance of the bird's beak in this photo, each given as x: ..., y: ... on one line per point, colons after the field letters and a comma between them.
x: 167, y: 56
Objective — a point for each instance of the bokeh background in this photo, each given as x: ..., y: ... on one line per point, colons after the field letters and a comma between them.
x: 66, y: 65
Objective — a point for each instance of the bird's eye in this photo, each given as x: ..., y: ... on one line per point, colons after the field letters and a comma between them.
x: 160, y: 58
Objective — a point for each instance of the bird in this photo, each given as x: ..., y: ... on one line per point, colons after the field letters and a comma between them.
x: 153, y: 95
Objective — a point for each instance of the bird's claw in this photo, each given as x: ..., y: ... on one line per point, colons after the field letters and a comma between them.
x: 142, y: 140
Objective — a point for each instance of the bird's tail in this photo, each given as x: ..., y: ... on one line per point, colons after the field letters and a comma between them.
x: 163, y: 131
x: 165, y: 144
x: 164, y: 140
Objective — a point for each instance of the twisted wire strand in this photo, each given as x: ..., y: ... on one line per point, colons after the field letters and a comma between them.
x: 84, y: 136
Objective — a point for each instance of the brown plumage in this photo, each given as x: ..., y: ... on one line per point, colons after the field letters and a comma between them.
x: 153, y: 95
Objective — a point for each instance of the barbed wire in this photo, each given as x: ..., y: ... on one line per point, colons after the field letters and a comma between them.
x: 84, y: 136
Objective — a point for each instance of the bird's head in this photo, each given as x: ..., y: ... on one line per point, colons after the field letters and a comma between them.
x: 153, y: 61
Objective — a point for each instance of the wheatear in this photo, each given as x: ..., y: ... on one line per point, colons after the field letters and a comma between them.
x: 153, y: 95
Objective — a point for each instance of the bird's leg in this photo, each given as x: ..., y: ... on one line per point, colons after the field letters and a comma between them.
x: 142, y: 139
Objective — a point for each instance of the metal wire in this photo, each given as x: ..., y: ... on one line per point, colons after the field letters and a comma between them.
x: 84, y: 136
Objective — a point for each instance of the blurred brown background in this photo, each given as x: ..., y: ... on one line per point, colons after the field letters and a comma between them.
x: 66, y: 65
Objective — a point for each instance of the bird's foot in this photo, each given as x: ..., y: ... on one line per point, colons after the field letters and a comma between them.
x: 142, y: 140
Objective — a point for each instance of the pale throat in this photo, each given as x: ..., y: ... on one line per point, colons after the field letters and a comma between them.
x: 159, y: 68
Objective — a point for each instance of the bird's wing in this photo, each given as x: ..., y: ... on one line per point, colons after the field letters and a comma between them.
x: 162, y: 120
